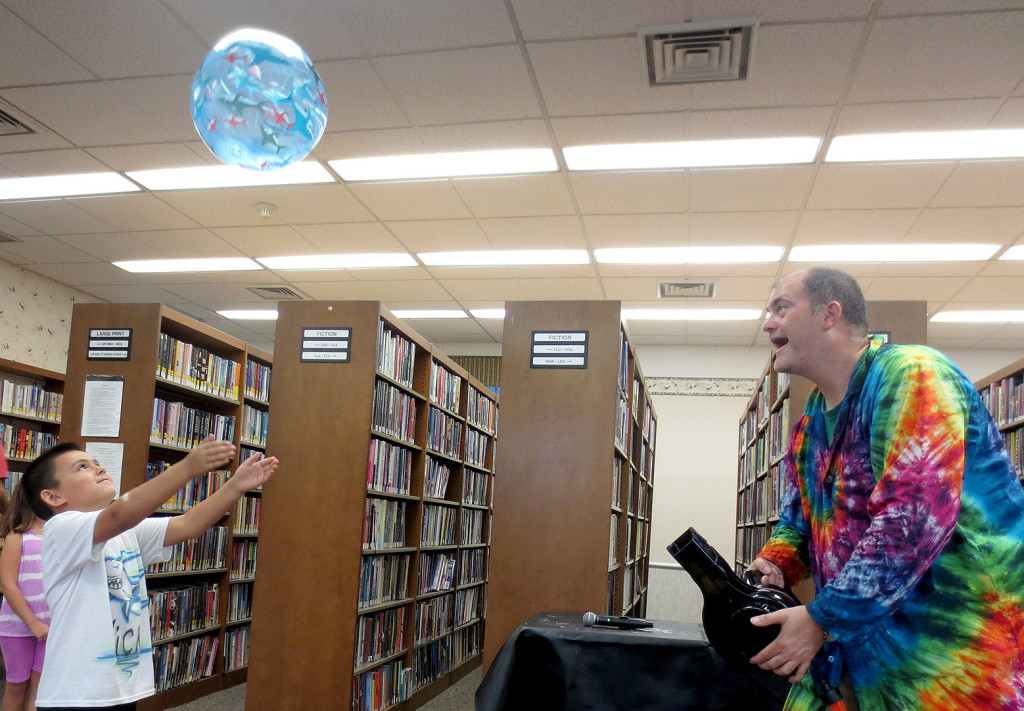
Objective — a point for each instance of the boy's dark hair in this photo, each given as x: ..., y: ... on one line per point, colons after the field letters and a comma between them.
x: 823, y: 284
x: 41, y: 474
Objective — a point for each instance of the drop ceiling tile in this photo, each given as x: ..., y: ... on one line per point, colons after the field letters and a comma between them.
x: 983, y: 184
x: 413, y: 290
x: 516, y: 196
x: 874, y: 186
x: 233, y: 295
x: 854, y: 226
x: 418, y: 200
x: 726, y: 289
x: 546, y: 232
x: 998, y: 268
x: 546, y: 273
x: 43, y: 249
x: 527, y: 133
x: 402, y: 27
x: 159, y: 244
x: 87, y: 274
x: 392, y: 273
x: 995, y: 225
x: 13, y: 227
x: 996, y: 289
x: 1011, y: 114
x: 907, y: 59
x: 742, y: 228
x: 265, y: 241
x: 524, y: 289
x: 939, y: 332
x: 375, y: 108
x: 54, y: 217
x: 440, y: 235
x: 13, y: 258
x: 683, y: 271
x: 57, y: 162
x: 909, y: 116
x: 480, y: 84
x: 600, y: 76
x: 131, y: 293
x: 309, y: 204
x: 662, y: 230
x: 253, y: 276
x: 794, y: 65
x: 347, y: 237
x: 30, y: 58
x: 750, y: 189
x: 604, y: 193
x: 929, y: 269
x: 134, y: 212
x: 920, y: 288
x: 151, y: 156
x: 925, y: 7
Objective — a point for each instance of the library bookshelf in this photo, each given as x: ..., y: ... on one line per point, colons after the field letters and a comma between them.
x: 767, y: 423
x: 180, y: 380
x: 1003, y: 393
x: 373, y: 563
x: 577, y: 468
x: 31, y: 403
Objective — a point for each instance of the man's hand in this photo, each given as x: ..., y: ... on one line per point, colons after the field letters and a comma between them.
x: 791, y: 652
x: 254, y: 471
x: 208, y: 455
x: 771, y: 574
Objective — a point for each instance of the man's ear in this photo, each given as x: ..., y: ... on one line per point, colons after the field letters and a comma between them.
x: 833, y: 314
x: 52, y: 499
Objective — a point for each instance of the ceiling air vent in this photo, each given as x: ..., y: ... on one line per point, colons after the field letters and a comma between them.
x: 698, y: 51
x: 10, y: 126
x: 4, y: 237
x: 278, y: 293
x: 686, y: 289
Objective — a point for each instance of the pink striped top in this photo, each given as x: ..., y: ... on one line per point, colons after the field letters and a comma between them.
x: 30, y: 582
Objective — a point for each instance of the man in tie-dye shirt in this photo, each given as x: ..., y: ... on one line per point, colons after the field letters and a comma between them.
x: 904, y: 508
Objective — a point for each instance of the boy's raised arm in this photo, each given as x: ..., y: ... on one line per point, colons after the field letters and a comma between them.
x: 131, y: 508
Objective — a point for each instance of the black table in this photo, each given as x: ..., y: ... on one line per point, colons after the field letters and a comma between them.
x: 552, y: 662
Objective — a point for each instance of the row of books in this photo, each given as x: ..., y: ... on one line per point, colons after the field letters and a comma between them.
x: 444, y: 433
x: 613, y: 540
x: 1014, y: 441
x: 198, y: 368
x: 435, y: 478
x: 383, y: 579
x: 617, y: 483
x: 753, y: 460
x: 178, y: 663
x: 778, y: 432
x: 471, y: 527
x: 257, y: 380
x: 621, y: 423
x: 243, y: 559
x: 236, y: 647
x: 205, y: 552
x: 468, y: 604
x: 254, y: 425
x: 379, y: 635
x: 471, y: 566
x: 431, y: 661
x: 240, y: 601
x: 761, y: 499
x: 182, y: 609
x: 623, y: 362
x: 196, y: 490
x: 30, y: 400
x: 474, y: 488
x: 178, y: 425
x: 1005, y: 399
x: 380, y: 688
x: 481, y: 411
x: 438, y: 525
x: 21, y: 443
x: 476, y: 448
x: 434, y: 617
x: 390, y: 467
x: 749, y: 542
x: 436, y: 573
x: 394, y: 412
x: 383, y: 524
x: 445, y: 387
x: 395, y: 355
x: 466, y: 644
x: 247, y: 515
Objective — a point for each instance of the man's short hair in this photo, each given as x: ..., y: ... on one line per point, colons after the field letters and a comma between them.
x: 823, y: 284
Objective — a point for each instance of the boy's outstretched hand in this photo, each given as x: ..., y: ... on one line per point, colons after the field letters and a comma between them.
x: 254, y: 471
x: 208, y: 455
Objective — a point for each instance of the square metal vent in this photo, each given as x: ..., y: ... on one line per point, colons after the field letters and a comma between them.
x: 11, y: 125
x: 4, y: 237
x: 699, y: 51
x: 686, y: 289
x: 278, y: 293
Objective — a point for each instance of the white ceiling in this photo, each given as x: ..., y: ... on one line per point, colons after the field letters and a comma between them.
x: 105, y: 84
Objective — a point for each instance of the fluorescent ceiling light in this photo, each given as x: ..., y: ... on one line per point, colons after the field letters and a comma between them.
x: 152, y: 266
x: 447, y: 165
x: 250, y: 314
x: 69, y: 185
x: 1013, y: 253
x: 932, y: 145
x: 687, y: 255
x: 488, y: 313
x: 691, y: 314
x: 339, y: 261
x: 430, y: 313
x: 692, y: 154
x: 230, y: 176
x: 512, y: 257
x: 893, y: 253
x: 978, y: 317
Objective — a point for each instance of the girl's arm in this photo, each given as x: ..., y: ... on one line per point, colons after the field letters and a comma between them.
x: 10, y: 561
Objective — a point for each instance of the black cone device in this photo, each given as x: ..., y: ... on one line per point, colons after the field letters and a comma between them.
x: 729, y: 601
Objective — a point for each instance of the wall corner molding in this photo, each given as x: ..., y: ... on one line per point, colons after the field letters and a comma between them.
x: 702, y: 387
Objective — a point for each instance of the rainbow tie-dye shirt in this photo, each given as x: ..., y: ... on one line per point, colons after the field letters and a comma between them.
x: 911, y: 525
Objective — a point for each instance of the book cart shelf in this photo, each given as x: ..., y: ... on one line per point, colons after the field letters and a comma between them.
x: 373, y: 571
x: 577, y: 465
x: 31, y: 403
x: 767, y: 422
x: 181, y: 380
x: 1003, y: 393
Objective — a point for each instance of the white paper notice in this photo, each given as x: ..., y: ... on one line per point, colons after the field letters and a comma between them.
x: 110, y: 455
x: 101, y: 410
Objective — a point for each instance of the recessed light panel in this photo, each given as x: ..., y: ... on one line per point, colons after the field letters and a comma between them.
x: 893, y: 253
x: 930, y: 145
x: 446, y: 165
x: 339, y: 261
x: 70, y: 185
x: 155, y: 266
x: 687, y: 255
x: 496, y: 258
x: 230, y: 176
x: 692, y: 154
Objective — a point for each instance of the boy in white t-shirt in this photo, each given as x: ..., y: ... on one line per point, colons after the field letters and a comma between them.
x: 95, y: 550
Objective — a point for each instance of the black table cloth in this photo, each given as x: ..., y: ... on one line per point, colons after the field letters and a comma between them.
x: 552, y: 662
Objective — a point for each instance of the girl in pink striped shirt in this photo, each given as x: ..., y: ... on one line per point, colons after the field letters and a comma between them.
x: 24, y: 615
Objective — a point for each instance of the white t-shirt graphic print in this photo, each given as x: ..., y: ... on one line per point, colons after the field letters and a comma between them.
x: 99, y: 650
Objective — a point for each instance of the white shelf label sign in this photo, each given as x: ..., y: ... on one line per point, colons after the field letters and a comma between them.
x: 109, y: 344
x: 559, y: 349
x: 325, y: 345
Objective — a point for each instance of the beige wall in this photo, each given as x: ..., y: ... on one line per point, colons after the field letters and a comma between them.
x: 35, y: 318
